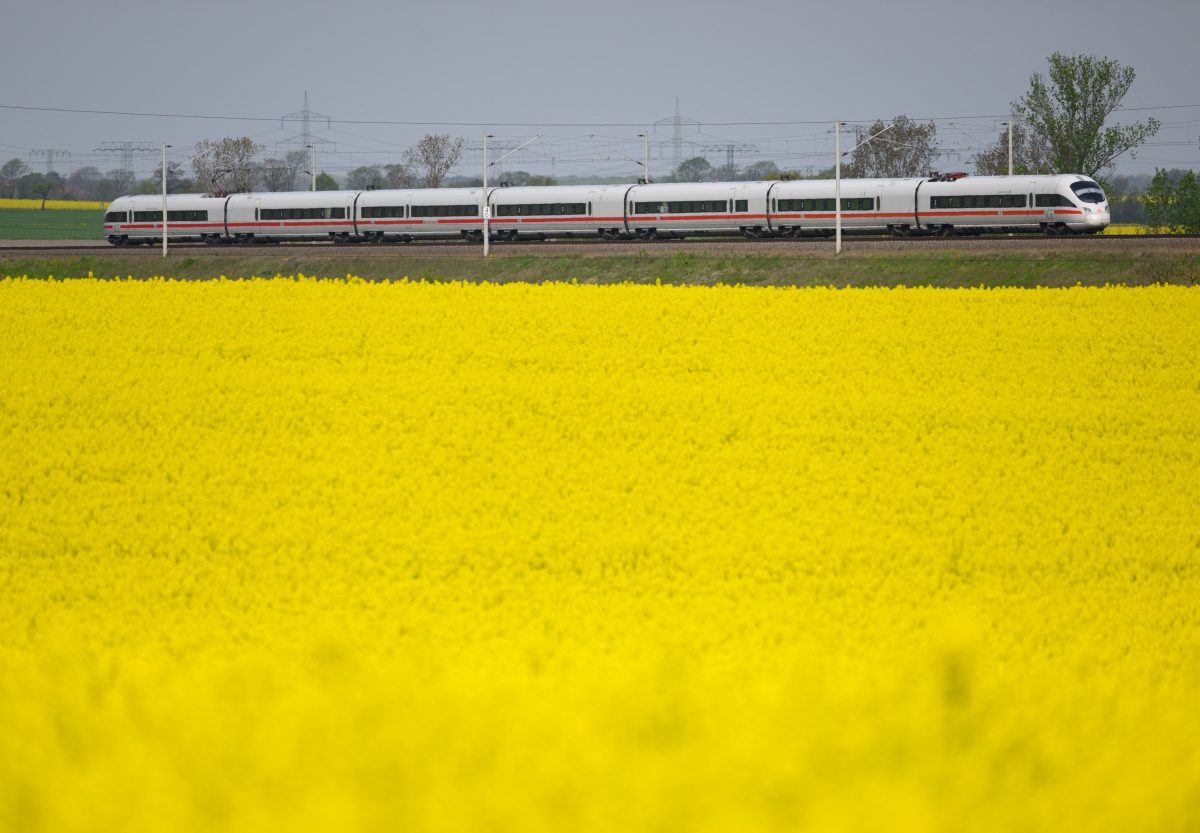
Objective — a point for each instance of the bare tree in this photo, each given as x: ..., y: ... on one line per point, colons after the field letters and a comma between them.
x: 432, y: 157
x: 279, y: 173
x: 1071, y: 107
x: 400, y: 176
x: 1031, y: 154
x: 121, y: 182
x: 10, y: 174
x: 226, y: 164
x: 906, y: 149
x: 175, y: 178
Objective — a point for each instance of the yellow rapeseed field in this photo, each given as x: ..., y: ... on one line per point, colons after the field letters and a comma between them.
x: 330, y: 555
x: 77, y: 205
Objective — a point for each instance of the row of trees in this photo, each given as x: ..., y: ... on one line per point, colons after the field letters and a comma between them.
x: 17, y: 181
x: 1059, y: 126
x: 234, y: 165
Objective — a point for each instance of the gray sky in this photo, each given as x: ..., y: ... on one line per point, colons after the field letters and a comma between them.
x: 616, y: 66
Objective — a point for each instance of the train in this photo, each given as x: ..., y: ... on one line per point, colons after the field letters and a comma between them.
x: 944, y: 204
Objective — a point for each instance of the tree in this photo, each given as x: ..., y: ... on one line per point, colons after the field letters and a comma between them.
x: 761, y: 171
x: 114, y: 184
x: 175, y: 178
x: 1172, y: 201
x: 905, y: 149
x: 1069, y: 110
x: 433, y: 157
x: 39, y: 186
x: 367, y: 176
x: 1187, y: 201
x: 226, y: 165
x: 696, y: 169
x: 326, y: 183
x: 10, y: 174
x: 1031, y: 154
x: 279, y: 173
x: 81, y: 184
x: 399, y: 176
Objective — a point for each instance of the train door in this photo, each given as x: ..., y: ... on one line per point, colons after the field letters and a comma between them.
x: 1047, y: 210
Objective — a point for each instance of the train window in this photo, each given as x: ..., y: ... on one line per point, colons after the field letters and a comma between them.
x: 687, y: 207
x: 545, y: 209
x: 147, y: 216
x: 301, y: 213
x: 116, y: 217
x: 186, y: 216
x: 376, y: 211
x: 450, y: 210
x: 741, y: 205
x: 1053, y: 201
x: 337, y: 213
x: 1088, y: 191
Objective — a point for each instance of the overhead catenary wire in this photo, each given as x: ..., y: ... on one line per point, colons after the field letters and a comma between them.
x: 449, y: 123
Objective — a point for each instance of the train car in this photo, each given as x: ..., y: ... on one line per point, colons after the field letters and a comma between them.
x: 132, y: 221
x: 294, y: 215
x: 809, y: 207
x: 419, y: 213
x: 678, y: 209
x: 557, y: 211
x: 972, y: 204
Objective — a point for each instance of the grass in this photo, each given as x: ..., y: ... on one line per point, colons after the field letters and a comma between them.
x: 51, y: 224
x: 813, y: 267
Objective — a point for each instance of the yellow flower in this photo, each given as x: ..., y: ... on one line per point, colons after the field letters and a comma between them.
x: 311, y: 554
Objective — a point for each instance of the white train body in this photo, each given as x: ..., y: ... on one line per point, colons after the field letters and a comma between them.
x: 953, y: 204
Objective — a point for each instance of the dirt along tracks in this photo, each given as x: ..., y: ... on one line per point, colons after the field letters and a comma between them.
x: 951, y: 262
x: 820, y: 248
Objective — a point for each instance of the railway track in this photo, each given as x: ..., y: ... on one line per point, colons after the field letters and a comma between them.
x: 567, y: 246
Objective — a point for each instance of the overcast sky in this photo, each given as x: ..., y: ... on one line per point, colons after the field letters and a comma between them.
x: 582, y: 77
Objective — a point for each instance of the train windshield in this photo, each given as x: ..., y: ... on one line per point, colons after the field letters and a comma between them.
x: 1088, y: 191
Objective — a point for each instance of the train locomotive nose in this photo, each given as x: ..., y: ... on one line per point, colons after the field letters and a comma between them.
x: 1098, y: 217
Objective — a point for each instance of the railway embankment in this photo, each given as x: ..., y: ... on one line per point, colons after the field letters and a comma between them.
x: 967, y: 263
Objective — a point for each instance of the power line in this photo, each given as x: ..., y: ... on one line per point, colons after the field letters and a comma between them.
x: 48, y: 154
x: 408, y: 123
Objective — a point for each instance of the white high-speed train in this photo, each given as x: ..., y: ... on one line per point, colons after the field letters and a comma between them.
x: 950, y: 204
